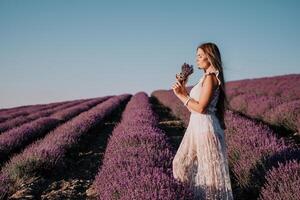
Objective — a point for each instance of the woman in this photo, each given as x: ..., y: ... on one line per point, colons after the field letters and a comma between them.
x: 201, y: 159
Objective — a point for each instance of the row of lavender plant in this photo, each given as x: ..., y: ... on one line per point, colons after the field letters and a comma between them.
x: 282, y: 182
x: 29, y: 109
x: 17, y: 121
x: 37, y: 106
x: 13, y: 109
x: 17, y: 138
x: 137, y: 160
x: 167, y: 98
x: 7, y: 111
x: 275, y: 100
x: 47, y: 154
x: 4, y: 116
x: 269, y: 109
x: 286, y: 115
x: 252, y: 147
x: 285, y: 87
x: 38, y: 114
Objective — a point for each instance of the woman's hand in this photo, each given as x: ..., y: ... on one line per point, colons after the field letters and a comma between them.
x: 179, y: 89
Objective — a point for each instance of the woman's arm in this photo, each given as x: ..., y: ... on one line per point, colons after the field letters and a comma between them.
x: 205, y: 97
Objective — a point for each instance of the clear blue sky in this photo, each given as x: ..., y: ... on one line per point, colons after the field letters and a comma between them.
x: 59, y: 50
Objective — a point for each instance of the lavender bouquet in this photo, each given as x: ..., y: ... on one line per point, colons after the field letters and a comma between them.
x: 186, y: 71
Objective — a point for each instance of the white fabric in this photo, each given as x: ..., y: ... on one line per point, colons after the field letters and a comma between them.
x: 201, y: 159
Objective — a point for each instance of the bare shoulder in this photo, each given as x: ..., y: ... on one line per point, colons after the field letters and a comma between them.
x: 211, y: 80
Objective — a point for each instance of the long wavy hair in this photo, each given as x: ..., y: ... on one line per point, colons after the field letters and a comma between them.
x: 214, y: 56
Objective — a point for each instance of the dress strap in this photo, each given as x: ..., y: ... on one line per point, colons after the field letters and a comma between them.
x: 214, y: 72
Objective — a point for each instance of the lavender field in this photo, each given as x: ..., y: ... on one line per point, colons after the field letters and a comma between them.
x: 122, y: 146
x: 262, y: 135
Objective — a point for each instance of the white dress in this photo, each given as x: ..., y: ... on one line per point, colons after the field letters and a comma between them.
x: 201, y: 159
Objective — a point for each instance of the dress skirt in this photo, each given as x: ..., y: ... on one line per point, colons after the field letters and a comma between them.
x: 201, y: 159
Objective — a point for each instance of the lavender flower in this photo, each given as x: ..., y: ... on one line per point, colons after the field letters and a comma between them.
x: 186, y: 71
x: 282, y: 182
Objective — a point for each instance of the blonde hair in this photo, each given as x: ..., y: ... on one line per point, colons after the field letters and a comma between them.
x: 214, y: 56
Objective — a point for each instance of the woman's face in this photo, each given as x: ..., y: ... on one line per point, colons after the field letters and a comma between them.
x: 201, y: 59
